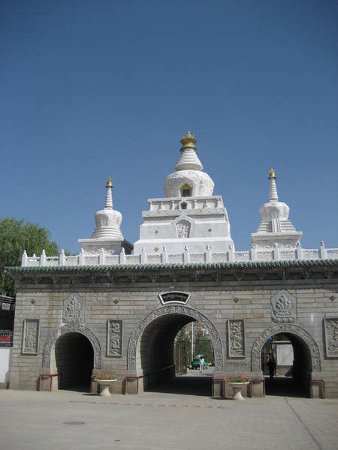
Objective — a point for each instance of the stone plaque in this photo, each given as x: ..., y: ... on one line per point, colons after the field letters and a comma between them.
x: 30, y: 337
x: 283, y: 307
x: 114, y: 338
x: 74, y: 310
x: 331, y: 337
x: 236, y: 338
x: 174, y: 297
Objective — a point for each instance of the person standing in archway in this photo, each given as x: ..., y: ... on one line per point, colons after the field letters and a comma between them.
x: 201, y: 363
x: 272, y: 367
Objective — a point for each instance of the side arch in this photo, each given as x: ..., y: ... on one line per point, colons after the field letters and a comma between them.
x: 49, y: 344
x: 175, y: 309
x: 296, y: 330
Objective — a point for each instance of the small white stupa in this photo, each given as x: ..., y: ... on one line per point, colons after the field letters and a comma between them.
x: 275, y: 228
x: 107, y: 236
x: 189, y: 218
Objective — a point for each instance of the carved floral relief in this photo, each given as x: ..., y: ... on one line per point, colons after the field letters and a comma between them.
x: 74, y: 310
x: 114, y: 338
x: 30, y: 340
x: 283, y: 307
x: 236, y: 338
x: 331, y: 337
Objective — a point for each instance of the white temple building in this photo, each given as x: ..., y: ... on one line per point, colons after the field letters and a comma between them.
x: 121, y: 309
x: 189, y: 218
x: 188, y: 225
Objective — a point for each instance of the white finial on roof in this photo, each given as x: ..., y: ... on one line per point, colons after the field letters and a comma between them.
x: 275, y: 226
x: 108, y: 220
x: 189, y: 159
x: 109, y: 194
x: 273, y: 186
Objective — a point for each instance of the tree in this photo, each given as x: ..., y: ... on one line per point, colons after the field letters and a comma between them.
x: 15, y: 237
x: 203, y: 345
x: 182, y: 351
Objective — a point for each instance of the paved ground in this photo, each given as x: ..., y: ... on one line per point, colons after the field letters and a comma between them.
x: 163, y: 420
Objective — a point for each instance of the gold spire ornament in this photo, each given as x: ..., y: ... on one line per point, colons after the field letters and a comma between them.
x: 109, y: 183
x: 188, y: 141
x: 272, y: 174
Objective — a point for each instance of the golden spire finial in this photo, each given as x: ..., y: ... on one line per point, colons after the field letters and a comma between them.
x: 188, y: 141
x: 109, y: 183
x: 272, y: 174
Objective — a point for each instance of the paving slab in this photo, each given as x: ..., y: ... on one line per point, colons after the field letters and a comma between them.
x: 157, y: 420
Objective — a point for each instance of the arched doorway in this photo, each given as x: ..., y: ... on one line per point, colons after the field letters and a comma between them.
x: 151, y: 347
x: 74, y: 359
x: 287, y: 355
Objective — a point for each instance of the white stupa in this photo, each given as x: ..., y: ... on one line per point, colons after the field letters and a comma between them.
x: 189, y: 218
x: 275, y: 228
x: 107, y: 236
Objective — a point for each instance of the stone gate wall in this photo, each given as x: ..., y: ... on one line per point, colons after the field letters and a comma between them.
x: 244, y: 309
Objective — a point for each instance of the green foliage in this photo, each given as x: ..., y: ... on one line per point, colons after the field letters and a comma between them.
x: 15, y: 237
x: 203, y: 345
x: 183, y: 335
x: 182, y: 351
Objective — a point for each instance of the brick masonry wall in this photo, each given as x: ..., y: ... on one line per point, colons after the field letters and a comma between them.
x: 132, y: 302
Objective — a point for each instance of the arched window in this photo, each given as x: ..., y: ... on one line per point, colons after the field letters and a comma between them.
x: 186, y: 190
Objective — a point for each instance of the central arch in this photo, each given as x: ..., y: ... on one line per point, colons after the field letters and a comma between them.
x: 188, y: 313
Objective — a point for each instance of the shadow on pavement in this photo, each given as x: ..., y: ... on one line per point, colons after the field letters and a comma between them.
x: 186, y: 385
x: 284, y: 387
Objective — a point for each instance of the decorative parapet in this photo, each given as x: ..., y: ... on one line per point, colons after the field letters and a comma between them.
x: 209, y: 257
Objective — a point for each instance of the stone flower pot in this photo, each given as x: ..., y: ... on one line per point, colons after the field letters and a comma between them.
x: 104, y: 386
x: 237, y: 389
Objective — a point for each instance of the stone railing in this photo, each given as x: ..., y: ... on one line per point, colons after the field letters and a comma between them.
x: 208, y: 257
x: 191, y: 203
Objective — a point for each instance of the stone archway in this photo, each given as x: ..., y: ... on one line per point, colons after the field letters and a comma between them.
x: 295, y: 330
x: 50, y: 343
x: 181, y: 310
x: 74, y: 357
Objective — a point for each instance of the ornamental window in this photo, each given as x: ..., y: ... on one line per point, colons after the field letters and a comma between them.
x: 186, y: 190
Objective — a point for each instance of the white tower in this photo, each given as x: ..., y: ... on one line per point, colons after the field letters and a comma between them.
x: 107, y: 235
x: 190, y: 218
x: 275, y: 227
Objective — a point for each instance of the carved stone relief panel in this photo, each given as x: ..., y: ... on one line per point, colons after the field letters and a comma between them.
x: 30, y: 338
x: 74, y: 310
x: 331, y: 337
x: 236, y: 338
x: 114, y: 338
x: 283, y: 307
x: 183, y: 229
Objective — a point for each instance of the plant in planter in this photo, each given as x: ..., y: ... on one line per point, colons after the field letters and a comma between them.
x: 237, y: 379
x: 104, y: 380
x: 105, y: 376
x: 237, y: 382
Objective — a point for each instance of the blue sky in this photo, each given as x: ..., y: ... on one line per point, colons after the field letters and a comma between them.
x: 108, y: 88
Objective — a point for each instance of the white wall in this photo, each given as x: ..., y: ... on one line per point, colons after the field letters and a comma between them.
x: 5, y: 355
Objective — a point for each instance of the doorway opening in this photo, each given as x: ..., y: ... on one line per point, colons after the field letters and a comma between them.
x: 168, y: 347
x: 74, y: 358
x: 286, y: 365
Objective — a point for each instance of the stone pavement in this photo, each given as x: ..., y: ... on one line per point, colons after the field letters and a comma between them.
x: 161, y: 421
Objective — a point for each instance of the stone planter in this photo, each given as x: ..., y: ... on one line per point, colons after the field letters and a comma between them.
x: 104, y: 387
x: 237, y: 389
